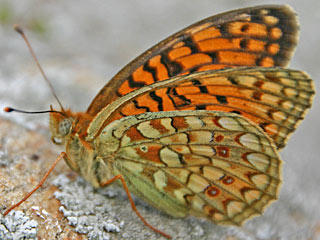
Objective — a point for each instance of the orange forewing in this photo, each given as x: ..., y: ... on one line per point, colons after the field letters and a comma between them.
x: 259, y: 36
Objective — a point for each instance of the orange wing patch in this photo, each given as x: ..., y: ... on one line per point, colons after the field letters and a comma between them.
x: 259, y: 36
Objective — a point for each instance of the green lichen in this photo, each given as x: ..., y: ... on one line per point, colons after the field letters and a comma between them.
x: 6, y: 13
x: 38, y: 26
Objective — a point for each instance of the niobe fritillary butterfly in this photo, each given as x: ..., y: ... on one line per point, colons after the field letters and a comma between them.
x: 193, y: 126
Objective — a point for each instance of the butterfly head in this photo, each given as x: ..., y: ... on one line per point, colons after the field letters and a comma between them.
x: 61, y: 124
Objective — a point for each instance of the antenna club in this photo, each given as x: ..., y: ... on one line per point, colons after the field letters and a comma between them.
x: 18, y: 29
x: 8, y: 109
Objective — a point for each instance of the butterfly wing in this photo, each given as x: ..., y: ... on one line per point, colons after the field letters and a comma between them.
x: 276, y: 99
x: 211, y: 164
x: 257, y: 36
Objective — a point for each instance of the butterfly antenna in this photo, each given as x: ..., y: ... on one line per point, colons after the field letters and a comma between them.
x: 19, y: 30
x: 9, y: 109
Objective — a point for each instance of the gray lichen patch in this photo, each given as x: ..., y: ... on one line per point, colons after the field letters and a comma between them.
x: 86, y: 210
x: 16, y: 225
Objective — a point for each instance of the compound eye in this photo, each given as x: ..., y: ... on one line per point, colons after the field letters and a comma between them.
x: 56, y: 140
x: 64, y: 127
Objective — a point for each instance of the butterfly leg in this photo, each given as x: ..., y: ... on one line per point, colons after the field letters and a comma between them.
x: 62, y: 155
x: 133, y: 206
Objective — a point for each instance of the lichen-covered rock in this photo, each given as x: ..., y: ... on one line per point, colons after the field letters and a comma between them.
x: 85, y: 209
x: 80, y: 59
x: 16, y: 225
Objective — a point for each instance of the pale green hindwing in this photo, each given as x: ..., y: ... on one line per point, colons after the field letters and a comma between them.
x: 205, y: 163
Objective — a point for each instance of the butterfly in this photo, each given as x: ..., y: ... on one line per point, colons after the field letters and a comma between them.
x: 193, y: 126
